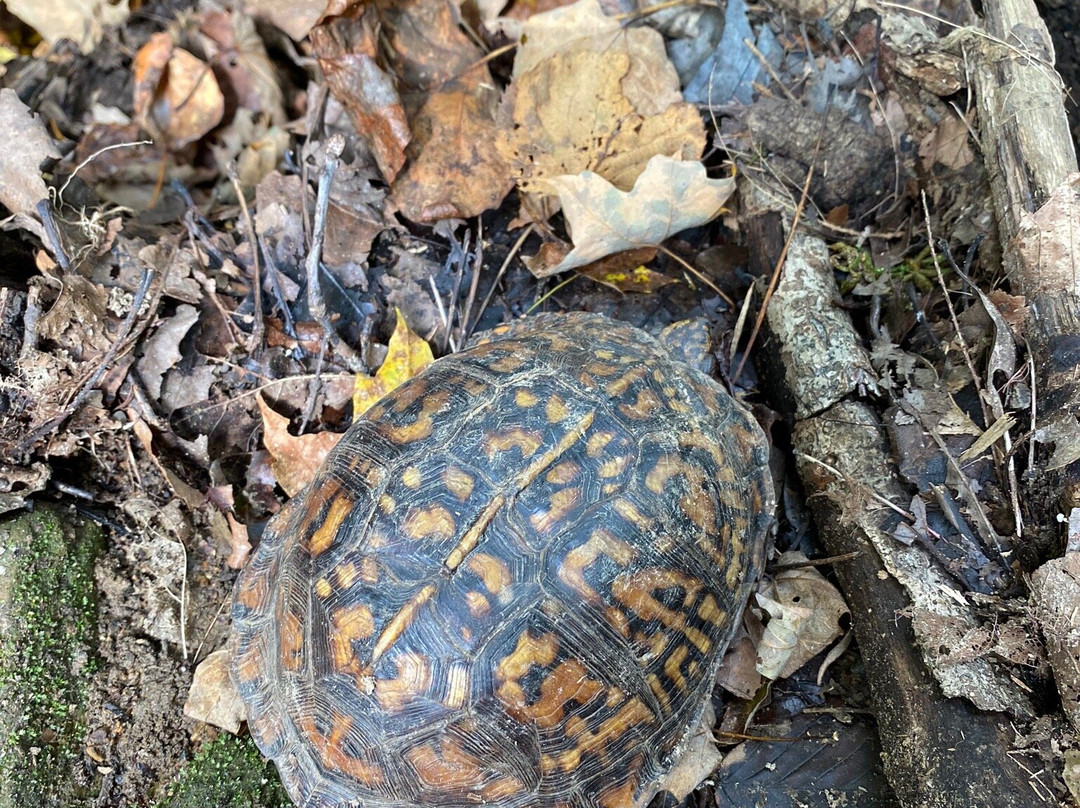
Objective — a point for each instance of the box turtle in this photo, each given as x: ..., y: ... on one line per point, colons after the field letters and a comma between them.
x: 511, y: 583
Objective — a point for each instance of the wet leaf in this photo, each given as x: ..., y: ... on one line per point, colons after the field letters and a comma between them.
x: 294, y: 459
x: 670, y: 196
x: 176, y: 94
x: 406, y: 355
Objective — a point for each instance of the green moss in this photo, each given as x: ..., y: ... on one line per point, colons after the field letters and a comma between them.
x: 228, y: 772
x: 857, y: 264
x: 47, y: 630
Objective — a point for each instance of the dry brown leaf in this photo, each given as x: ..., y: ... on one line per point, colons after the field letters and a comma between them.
x: 669, y: 196
x: 213, y: 698
x: 559, y: 30
x: 176, y: 94
x: 455, y: 172
x: 570, y: 114
x: 293, y: 459
x: 236, y: 49
x: 346, y: 51
x: 948, y: 144
x: 589, y: 95
x: 805, y: 611
x: 26, y: 146
x: 406, y: 355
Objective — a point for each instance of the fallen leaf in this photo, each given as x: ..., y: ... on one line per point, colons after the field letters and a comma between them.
x: 26, y: 146
x: 669, y: 196
x: 455, y: 171
x: 605, y: 102
x: 295, y: 17
x: 948, y: 144
x: 236, y: 49
x: 294, y: 459
x: 427, y: 47
x: 406, y: 355
x: 176, y: 94
x: 162, y: 350
x: 346, y: 51
x: 562, y: 29
x: 79, y: 319
x: 213, y: 698
x: 625, y: 272
x: 81, y: 21
x: 805, y: 610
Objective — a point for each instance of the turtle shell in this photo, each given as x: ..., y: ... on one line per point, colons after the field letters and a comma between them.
x: 512, y: 581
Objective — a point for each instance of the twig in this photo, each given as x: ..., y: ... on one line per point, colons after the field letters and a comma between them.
x: 275, y: 284
x: 749, y: 43
x: 930, y: 532
x: 334, y: 147
x: 697, y: 274
x: 313, y: 386
x: 258, y: 327
x: 474, y: 283
x: 44, y: 211
x: 498, y: 276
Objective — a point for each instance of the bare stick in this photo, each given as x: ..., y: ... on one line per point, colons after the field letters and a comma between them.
x: 334, y: 146
x: 258, y: 328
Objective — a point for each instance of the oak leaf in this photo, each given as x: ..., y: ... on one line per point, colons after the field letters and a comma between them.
x: 669, y: 196
x: 590, y: 96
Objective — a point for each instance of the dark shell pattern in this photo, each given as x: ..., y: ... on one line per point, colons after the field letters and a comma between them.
x: 511, y: 583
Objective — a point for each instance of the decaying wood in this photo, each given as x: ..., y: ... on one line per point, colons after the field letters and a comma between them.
x: 938, y: 751
x: 1031, y: 164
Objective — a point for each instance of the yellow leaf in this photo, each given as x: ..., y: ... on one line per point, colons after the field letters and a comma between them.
x: 406, y: 355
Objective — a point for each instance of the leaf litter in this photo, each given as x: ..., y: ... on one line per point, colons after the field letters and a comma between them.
x: 147, y: 336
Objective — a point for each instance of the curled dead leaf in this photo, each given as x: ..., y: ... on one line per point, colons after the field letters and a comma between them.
x: 346, y: 51
x: 804, y: 610
x: 176, y: 94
